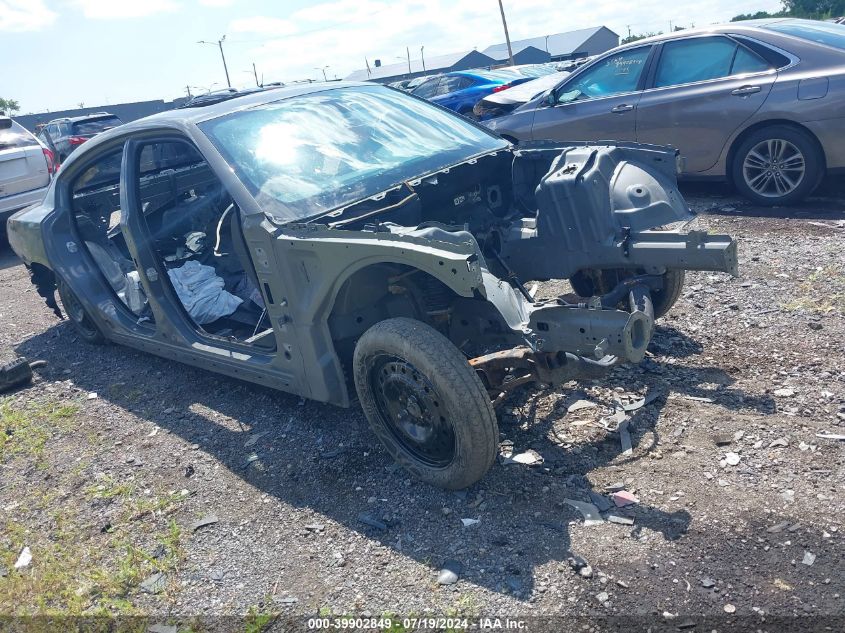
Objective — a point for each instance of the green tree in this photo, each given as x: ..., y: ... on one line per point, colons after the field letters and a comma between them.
x: 9, y: 106
x: 814, y: 9
x: 637, y: 37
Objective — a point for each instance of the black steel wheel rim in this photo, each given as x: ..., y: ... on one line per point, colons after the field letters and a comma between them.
x: 76, y: 312
x: 413, y: 411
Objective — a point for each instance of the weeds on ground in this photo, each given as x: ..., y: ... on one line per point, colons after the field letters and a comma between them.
x: 25, y: 429
x: 817, y: 293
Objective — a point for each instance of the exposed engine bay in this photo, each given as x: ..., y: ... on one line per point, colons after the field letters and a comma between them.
x: 543, y: 212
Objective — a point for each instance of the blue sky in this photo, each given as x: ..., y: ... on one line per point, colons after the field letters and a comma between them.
x: 58, y: 53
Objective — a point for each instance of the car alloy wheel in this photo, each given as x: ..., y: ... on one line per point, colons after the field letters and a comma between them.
x: 412, y: 408
x: 774, y: 168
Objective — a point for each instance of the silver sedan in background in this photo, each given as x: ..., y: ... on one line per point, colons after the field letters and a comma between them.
x: 759, y: 103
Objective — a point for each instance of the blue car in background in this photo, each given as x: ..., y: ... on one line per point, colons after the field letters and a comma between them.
x: 460, y: 90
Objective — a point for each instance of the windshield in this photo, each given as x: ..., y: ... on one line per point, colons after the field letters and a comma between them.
x: 825, y: 33
x: 306, y: 155
x: 95, y: 126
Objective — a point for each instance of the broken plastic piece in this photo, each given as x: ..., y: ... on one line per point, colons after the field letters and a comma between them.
x: 590, y: 512
x: 623, y: 498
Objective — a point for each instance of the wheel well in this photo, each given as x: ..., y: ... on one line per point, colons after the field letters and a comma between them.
x: 382, y: 291
x: 761, y: 125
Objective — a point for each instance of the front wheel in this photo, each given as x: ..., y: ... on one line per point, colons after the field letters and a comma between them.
x: 777, y: 165
x: 425, y: 403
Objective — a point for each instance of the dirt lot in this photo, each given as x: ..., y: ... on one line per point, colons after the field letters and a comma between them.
x: 111, y: 460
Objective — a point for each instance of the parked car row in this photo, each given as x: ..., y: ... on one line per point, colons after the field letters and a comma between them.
x: 460, y: 90
x: 64, y: 135
x: 759, y: 103
x: 25, y: 169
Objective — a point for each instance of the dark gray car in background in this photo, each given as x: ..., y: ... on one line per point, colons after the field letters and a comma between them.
x: 760, y: 103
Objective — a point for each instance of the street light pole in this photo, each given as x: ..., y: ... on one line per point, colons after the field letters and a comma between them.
x: 507, y: 36
x: 222, y: 56
x: 408, y: 54
x: 422, y: 57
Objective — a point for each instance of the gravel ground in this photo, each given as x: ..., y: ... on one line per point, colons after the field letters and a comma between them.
x: 113, y: 459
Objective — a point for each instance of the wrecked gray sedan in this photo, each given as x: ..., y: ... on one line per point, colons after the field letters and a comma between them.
x: 343, y: 239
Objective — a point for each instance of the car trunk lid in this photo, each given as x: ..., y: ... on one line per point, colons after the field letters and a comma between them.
x: 22, y: 169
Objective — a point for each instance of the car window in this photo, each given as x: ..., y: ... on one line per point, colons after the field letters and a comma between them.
x: 427, y: 89
x: 703, y: 58
x: 313, y: 153
x: 746, y: 61
x: 612, y: 75
x: 825, y: 33
x: 16, y: 136
x: 95, y: 126
x: 450, y: 84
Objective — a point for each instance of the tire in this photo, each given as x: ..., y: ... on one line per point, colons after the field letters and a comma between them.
x: 82, y: 322
x: 425, y: 403
x: 590, y: 283
x: 795, y: 150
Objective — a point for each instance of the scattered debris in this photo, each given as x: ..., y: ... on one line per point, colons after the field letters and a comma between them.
x: 615, y: 518
x: 189, y: 471
x: 831, y: 436
x: 314, y: 527
x: 625, y: 438
x: 729, y: 608
x: 778, y: 527
x: 469, y: 522
x: 18, y: 373
x: 708, y: 583
x: 732, y: 459
x: 602, y: 597
x: 332, y: 454
x: 286, y: 600
x: 450, y: 572
x: 586, y: 571
x: 366, y: 519
x: 209, y: 519
x: 24, y: 559
x: 591, y: 513
x: 615, y: 487
x: 162, y: 628
x: 252, y: 439
x: 600, y: 501
x: 722, y: 439
x: 780, y: 442
x: 782, y: 584
x: 92, y: 395
x: 785, y: 392
x: 155, y: 583
x: 529, y: 458
x: 809, y: 558
x: 623, y: 498
x: 578, y: 405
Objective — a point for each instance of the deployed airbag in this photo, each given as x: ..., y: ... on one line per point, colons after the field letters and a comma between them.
x: 201, y: 292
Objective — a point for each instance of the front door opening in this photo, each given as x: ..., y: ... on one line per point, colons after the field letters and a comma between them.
x: 195, y: 231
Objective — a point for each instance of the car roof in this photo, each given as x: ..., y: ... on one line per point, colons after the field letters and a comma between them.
x: 84, y: 117
x: 747, y: 26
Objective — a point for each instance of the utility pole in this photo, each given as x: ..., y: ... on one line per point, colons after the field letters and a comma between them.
x: 507, y: 36
x: 324, y: 72
x: 188, y: 89
x: 255, y: 72
x: 222, y: 56
x: 422, y: 56
x: 408, y: 54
